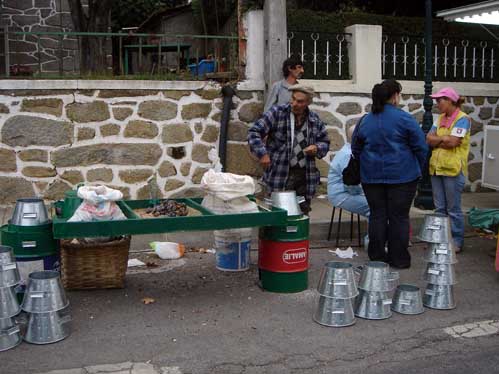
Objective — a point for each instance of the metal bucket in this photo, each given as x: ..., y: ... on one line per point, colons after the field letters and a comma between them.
x: 286, y: 200
x: 373, y: 305
x: 9, y: 274
x: 29, y: 212
x: 435, y: 229
x: 376, y: 276
x: 337, y: 280
x: 439, y: 297
x: 46, y: 328
x: 10, y: 334
x: 441, y: 274
x: 443, y: 253
x: 407, y: 300
x: 9, y: 306
x: 334, y: 312
x: 44, y: 293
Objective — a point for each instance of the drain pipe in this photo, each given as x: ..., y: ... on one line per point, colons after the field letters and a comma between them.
x: 227, y: 92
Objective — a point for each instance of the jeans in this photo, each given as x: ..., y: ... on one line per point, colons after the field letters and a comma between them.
x: 447, y: 199
x: 389, y: 221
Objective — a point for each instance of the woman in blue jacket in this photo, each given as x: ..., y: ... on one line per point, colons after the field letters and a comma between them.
x: 392, y: 151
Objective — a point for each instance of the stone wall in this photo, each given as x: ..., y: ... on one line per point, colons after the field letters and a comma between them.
x: 138, y: 139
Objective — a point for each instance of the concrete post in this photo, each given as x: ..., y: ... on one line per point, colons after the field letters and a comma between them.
x: 364, y: 55
x: 275, y: 40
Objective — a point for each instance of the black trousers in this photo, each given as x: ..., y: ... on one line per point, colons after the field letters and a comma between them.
x: 297, y: 181
x: 389, y: 221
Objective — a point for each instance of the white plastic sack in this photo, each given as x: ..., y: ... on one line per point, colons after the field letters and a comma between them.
x: 227, y: 186
x: 98, y: 205
x: 239, y: 205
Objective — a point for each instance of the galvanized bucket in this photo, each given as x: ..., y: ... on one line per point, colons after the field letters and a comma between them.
x: 443, y: 253
x: 373, y: 305
x: 435, y: 229
x: 439, y: 297
x: 376, y: 276
x: 29, y: 212
x: 407, y: 300
x: 9, y: 306
x: 46, y: 328
x: 286, y: 200
x: 44, y: 293
x: 337, y: 280
x: 440, y: 274
x: 10, y: 335
x: 9, y: 274
x: 334, y: 312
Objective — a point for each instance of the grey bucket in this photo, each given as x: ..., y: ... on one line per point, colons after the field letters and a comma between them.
x: 10, y: 335
x: 442, y: 253
x: 9, y: 273
x: 46, y: 328
x: 407, y: 300
x: 440, y: 274
x: 29, y: 212
x: 334, y: 312
x: 373, y: 305
x: 439, y: 297
x: 376, y: 276
x: 435, y: 229
x: 337, y: 280
x: 44, y: 293
x: 9, y: 306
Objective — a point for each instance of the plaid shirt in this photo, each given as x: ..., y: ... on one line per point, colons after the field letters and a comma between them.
x: 276, y: 123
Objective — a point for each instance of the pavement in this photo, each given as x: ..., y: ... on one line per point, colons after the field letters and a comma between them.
x: 202, y: 320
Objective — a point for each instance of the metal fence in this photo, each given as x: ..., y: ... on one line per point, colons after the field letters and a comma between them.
x: 155, y: 56
x: 403, y: 57
x: 324, y: 55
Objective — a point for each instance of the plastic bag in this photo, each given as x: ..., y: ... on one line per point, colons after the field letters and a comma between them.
x: 168, y: 250
x: 484, y: 218
x: 98, y: 205
x: 227, y: 186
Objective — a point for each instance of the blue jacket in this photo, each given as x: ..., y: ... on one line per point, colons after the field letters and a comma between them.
x: 391, y: 147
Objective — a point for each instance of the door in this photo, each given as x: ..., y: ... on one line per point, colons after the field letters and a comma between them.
x: 490, y: 171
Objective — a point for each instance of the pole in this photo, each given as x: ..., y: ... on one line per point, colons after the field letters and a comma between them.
x: 424, y: 198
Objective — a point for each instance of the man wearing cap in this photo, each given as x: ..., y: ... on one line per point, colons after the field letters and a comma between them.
x: 450, y: 140
x: 295, y: 138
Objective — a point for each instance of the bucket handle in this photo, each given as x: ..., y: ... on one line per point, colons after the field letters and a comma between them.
x: 392, y: 276
x: 433, y: 272
x: 29, y: 244
x: 339, y: 283
x: 405, y: 302
x: 10, y: 331
x: 358, y: 269
x: 65, y: 319
x: 10, y: 266
x: 335, y: 311
x: 429, y: 293
x: 37, y: 294
x: 387, y: 302
x: 30, y: 215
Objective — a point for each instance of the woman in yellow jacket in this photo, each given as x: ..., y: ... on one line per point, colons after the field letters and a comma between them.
x: 450, y: 140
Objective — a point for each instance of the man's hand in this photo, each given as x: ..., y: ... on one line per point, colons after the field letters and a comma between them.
x: 311, y: 150
x: 265, y: 162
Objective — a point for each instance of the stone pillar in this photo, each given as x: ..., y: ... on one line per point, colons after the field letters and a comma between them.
x: 275, y: 40
x: 364, y: 55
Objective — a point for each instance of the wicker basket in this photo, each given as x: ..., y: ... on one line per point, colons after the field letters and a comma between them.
x: 94, y: 265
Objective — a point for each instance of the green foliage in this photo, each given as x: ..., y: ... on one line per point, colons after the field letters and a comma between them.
x: 215, y: 13
x: 131, y: 13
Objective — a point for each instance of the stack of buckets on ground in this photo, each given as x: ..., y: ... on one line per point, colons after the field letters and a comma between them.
x: 283, y: 251
x: 29, y: 233
x: 440, y: 258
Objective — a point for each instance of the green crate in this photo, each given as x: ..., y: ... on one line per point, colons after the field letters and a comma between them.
x: 29, y: 243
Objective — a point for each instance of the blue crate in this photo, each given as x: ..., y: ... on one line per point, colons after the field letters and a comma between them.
x: 204, y: 66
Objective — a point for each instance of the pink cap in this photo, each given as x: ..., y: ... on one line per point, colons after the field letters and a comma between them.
x: 447, y: 92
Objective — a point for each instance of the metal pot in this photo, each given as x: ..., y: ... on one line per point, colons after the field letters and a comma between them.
x: 9, y: 274
x: 436, y: 229
x: 9, y: 306
x: 373, y: 305
x: 337, y: 280
x: 29, y: 212
x: 376, y: 276
x: 439, y: 297
x: 44, y: 293
x: 440, y: 274
x: 10, y: 335
x: 286, y: 200
x: 46, y: 328
x: 443, y: 253
x: 334, y: 312
x: 407, y: 300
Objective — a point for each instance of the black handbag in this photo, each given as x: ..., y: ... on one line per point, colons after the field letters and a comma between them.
x: 351, y: 174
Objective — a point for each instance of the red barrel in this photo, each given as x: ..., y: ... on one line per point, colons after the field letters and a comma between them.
x: 283, y: 257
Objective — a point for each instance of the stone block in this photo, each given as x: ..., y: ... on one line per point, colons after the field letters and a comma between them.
x: 39, y: 172
x: 100, y: 175
x: 141, y: 129
x: 196, y: 110
x: 173, y: 184
x: 110, y: 129
x: 348, y: 109
x: 8, y: 160
x: 122, y: 114
x: 157, y: 110
x: 198, y: 174
x: 39, y: 155
x: 135, y: 175
x: 56, y: 190
x: 151, y: 189
x: 73, y: 176
x: 108, y: 94
x: 485, y: 113
x: 13, y: 188
x: 185, y: 168
x: 4, y: 109
x: 210, y: 134
x: 200, y: 153
x: 250, y: 112
x: 475, y: 171
x: 241, y: 161
x: 167, y: 169
x: 48, y: 106
x: 109, y: 154
x: 237, y: 131
x: 85, y: 133
x: 177, y: 133
x: 176, y: 94
x: 208, y: 94
x: 336, y: 139
x: 23, y: 131
x: 88, y: 112
x: 328, y: 118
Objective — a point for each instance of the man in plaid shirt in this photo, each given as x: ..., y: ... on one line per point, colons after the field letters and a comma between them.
x: 295, y: 137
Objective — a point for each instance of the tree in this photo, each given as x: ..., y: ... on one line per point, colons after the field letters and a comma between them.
x: 96, y: 19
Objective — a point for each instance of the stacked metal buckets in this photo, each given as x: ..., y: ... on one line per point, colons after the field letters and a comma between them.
x: 10, y: 335
x: 337, y: 289
x: 47, y: 307
x: 440, y: 258
x: 29, y: 233
x: 376, y: 284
